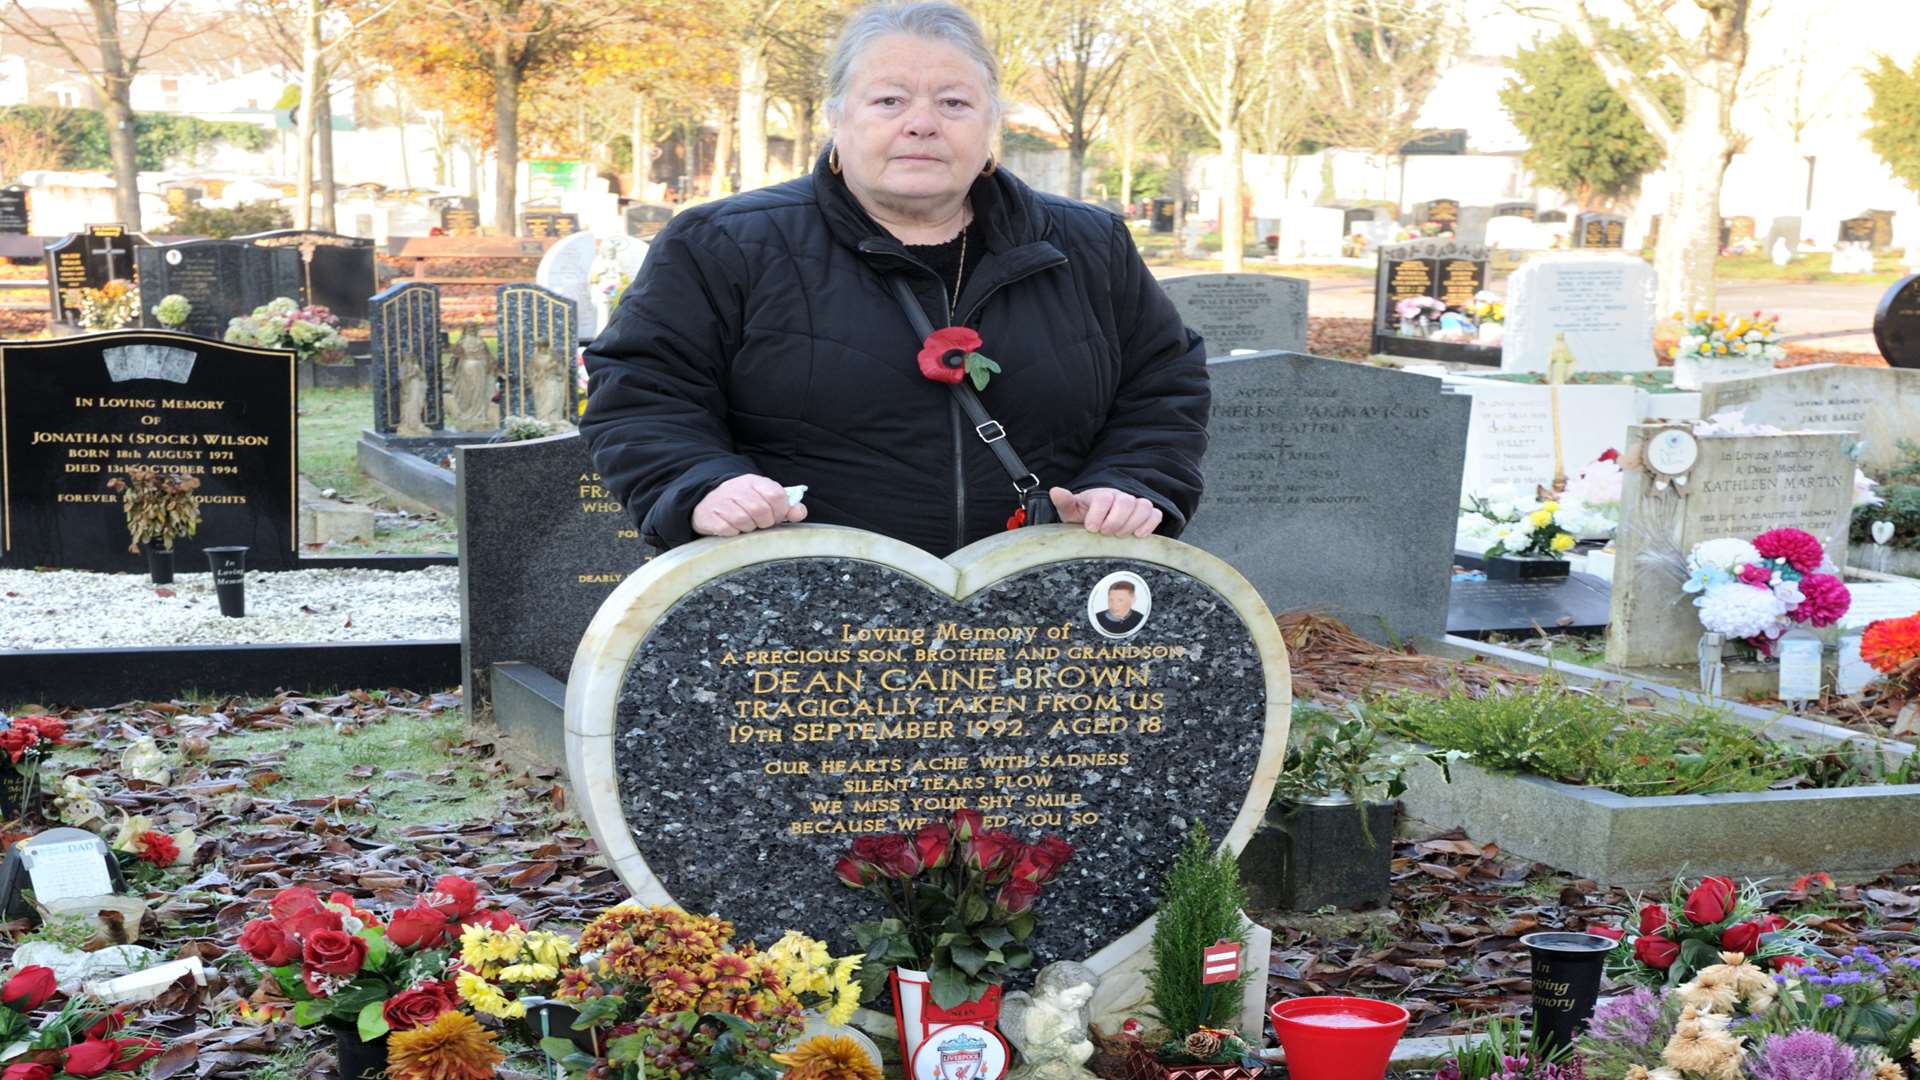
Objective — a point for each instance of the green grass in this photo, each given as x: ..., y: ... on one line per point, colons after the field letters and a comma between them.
x: 1804, y: 269
x: 330, y: 424
x: 414, y: 780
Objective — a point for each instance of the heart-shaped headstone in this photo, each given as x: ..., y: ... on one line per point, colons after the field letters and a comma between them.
x: 1882, y: 531
x: 741, y: 710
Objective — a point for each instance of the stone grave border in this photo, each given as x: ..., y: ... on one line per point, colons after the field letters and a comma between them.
x: 621, y: 627
x: 407, y: 475
x: 1626, y: 840
x: 94, y: 678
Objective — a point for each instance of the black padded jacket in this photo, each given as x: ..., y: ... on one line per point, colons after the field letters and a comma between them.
x: 762, y: 336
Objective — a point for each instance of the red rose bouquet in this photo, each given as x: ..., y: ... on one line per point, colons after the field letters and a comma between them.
x: 959, y: 900
x: 1667, y: 944
x: 340, y: 964
x: 24, y: 741
x: 76, y: 1042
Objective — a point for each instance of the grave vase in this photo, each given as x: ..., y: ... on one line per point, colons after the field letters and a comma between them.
x: 19, y: 791
x: 919, y: 1017
x: 1319, y: 852
x: 159, y: 563
x: 1525, y: 568
x: 358, y: 1059
x: 555, y: 1020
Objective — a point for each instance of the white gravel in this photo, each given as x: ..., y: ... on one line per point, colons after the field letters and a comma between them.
x: 72, y: 609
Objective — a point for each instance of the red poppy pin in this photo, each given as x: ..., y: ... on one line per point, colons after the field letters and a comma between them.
x: 948, y: 356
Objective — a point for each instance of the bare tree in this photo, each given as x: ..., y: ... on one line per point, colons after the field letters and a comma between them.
x: 1710, y: 56
x: 118, y: 53
x: 1372, y: 66
x: 1079, y: 74
x: 1018, y: 31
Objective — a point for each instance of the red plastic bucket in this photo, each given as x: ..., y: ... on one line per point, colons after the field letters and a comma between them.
x: 1337, y: 1038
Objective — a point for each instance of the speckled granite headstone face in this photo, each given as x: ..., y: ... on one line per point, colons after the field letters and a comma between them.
x: 772, y: 712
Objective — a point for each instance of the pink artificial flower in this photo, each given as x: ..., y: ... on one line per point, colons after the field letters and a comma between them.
x: 1797, y: 546
x: 1827, y: 599
x: 1759, y: 575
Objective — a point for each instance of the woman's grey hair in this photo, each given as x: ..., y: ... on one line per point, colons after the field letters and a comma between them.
x: 931, y: 20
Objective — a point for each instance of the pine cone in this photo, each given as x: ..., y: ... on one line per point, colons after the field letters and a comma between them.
x: 1202, y: 1044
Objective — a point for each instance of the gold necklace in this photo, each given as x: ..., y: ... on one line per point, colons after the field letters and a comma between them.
x: 958, y: 276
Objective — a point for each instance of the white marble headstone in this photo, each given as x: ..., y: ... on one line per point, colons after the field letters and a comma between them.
x: 1510, y: 432
x: 1311, y: 232
x: 1604, y: 304
x: 1511, y: 232
x: 567, y: 268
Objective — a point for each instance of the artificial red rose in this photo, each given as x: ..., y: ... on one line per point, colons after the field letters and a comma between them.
x: 1770, y: 923
x: 1743, y: 938
x: 1048, y: 854
x: 991, y: 851
x: 1017, y: 895
x: 335, y: 952
x: 51, y: 728
x: 15, y: 741
x: 419, y: 1006
x: 1711, y: 901
x: 934, y: 844
x: 1656, y: 952
x: 300, y: 913
x: 897, y: 856
x: 867, y: 849
x: 495, y: 919
x: 1616, y: 933
x: 29, y: 988
x: 853, y: 871
x: 342, y: 901
x: 943, y: 357
x: 1610, y: 455
x: 92, y: 1057
x: 26, y: 1070
x: 456, y: 896
x: 966, y: 823
x: 137, y: 1050
x: 1782, y: 963
x: 158, y: 848
x: 108, y: 1024
x: 1653, y: 919
x: 269, y: 945
x: 421, y: 926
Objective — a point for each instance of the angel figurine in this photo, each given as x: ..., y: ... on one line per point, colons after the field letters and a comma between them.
x: 1049, y: 1026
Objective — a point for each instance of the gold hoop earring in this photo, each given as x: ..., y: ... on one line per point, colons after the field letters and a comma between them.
x: 833, y: 160
x: 992, y: 164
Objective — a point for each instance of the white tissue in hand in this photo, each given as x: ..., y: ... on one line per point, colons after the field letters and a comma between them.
x: 796, y: 493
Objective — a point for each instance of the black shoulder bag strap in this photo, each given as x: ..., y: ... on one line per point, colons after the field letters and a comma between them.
x: 1032, y: 497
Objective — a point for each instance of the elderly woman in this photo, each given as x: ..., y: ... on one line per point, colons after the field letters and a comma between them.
x: 767, y: 343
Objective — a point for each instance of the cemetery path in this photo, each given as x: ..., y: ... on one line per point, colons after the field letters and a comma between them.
x: 1812, y: 309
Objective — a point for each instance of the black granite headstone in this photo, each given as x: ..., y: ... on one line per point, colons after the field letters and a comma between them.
x: 334, y: 271
x: 538, y: 329
x: 1597, y: 230
x: 528, y: 594
x: 1354, y: 217
x: 79, y: 411
x: 646, y: 219
x: 459, y: 214
x: 548, y: 223
x: 1516, y: 209
x: 1162, y: 215
x: 405, y: 331
x: 811, y: 700
x: 1451, y: 271
x: 1882, y: 229
x: 222, y: 279
x: 1442, y: 212
x: 1574, y: 602
x: 88, y: 260
x: 1551, y: 217
x: 13, y: 210
x: 1896, y: 323
x: 1857, y: 230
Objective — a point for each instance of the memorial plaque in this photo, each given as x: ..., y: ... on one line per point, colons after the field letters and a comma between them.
x: 1604, y: 304
x: 1880, y: 405
x: 222, y: 279
x: 1510, y: 441
x: 56, y: 865
x: 1740, y: 486
x: 1307, y: 467
x: 13, y: 210
x: 405, y: 336
x: 1513, y: 209
x: 76, y: 412
x: 823, y: 684
x: 1242, y: 311
x: 1896, y: 323
x: 528, y: 594
x: 1856, y: 230
x: 87, y: 261
x: 539, y: 346
x: 1556, y: 605
x: 539, y: 223
x: 1599, y: 231
x: 334, y: 271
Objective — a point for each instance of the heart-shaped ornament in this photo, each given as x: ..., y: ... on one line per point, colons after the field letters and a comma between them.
x: 741, y: 710
x: 1882, y: 531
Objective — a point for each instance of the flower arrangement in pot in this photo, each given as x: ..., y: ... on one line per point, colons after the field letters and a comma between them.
x: 77, y: 1042
x: 173, y: 311
x: 959, y: 899
x: 1669, y: 943
x: 1718, y: 345
x: 1755, y: 591
x: 161, y: 507
x: 381, y: 988
x: 109, y: 307
x: 313, y: 332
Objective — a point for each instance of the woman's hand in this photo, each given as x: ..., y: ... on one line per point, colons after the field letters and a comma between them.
x: 743, y: 504
x: 1107, y: 511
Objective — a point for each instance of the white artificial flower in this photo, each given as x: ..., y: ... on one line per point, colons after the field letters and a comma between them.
x: 1723, y: 553
x: 1863, y: 494
x: 1741, y: 611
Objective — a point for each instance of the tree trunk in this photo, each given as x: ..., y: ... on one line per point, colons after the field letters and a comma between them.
x: 1696, y: 165
x: 753, y: 114
x: 803, y: 134
x: 506, y: 140
x: 1177, y: 167
x: 329, y: 187
x: 117, y: 110
x: 1076, y: 164
x: 640, y: 143
x: 309, y: 105
x: 722, y: 153
x: 1232, y: 221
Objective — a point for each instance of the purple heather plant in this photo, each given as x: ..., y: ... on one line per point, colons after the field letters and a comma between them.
x: 1808, y: 1055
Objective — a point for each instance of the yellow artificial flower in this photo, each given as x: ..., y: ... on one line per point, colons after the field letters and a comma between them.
x: 828, y: 1057
x: 1700, y: 316
x: 1562, y: 542
x: 1550, y: 506
x: 845, y: 990
x: 527, y: 973
x: 487, y: 998
x: 485, y: 949
x: 547, y: 947
x: 453, y: 1047
x: 1541, y: 518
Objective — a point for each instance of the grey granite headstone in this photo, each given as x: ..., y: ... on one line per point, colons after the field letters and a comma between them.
x: 406, y: 324
x: 1472, y: 226
x: 1335, y: 487
x: 1242, y: 311
x: 528, y: 594
x: 1880, y: 405
x: 536, y: 326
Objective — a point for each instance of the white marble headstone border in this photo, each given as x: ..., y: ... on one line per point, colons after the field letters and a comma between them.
x: 637, y: 604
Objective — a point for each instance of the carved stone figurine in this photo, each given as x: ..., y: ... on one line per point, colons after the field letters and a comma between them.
x: 473, y: 408
x: 1049, y: 1026
x: 413, y: 399
x: 548, y: 377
